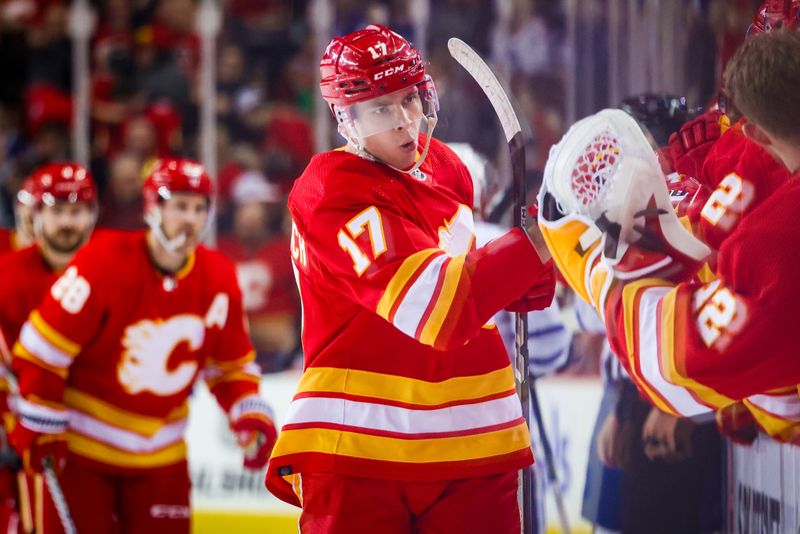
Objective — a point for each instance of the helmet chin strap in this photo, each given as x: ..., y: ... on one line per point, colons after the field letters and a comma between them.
x: 358, y: 144
x: 153, y: 220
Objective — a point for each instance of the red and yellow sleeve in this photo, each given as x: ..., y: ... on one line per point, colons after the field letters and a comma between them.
x: 230, y: 371
x: 692, y: 347
x: 438, y: 292
x: 49, y: 342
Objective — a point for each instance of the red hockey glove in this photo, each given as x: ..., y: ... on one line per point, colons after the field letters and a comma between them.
x: 736, y: 423
x: 538, y: 297
x: 251, y: 421
x: 40, y: 431
x: 34, y: 447
x: 689, y: 146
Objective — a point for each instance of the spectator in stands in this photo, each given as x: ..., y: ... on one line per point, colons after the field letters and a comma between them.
x: 140, y: 138
x: 259, y: 248
x: 122, y: 204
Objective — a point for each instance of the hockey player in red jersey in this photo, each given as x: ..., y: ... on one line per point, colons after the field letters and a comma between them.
x: 406, y: 418
x: 64, y: 209
x: 692, y: 345
x: 733, y: 175
x: 106, y: 364
x: 62, y: 199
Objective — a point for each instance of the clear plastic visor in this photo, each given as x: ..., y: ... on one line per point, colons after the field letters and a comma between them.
x: 399, y: 110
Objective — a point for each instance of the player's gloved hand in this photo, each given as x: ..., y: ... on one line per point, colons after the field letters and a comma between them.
x: 40, y: 431
x: 540, y: 295
x: 689, y: 146
x: 252, y: 423
x: 736, y: 423
x: 34, y: 447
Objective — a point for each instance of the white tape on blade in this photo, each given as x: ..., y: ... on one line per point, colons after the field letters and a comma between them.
x: 480, y: 71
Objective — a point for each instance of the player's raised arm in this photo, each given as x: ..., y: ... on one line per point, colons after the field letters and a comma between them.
x: 439, y: 293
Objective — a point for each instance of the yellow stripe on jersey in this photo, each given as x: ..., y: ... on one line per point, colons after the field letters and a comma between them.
x: 119, y: 418
x: 100, y: 452
x: 703, y: 393
x: 405, y: 389
x: 705, y: 274
x: 777, y: 427
x: 228, y: 365
x: 52, y: 335
x: 233, y: 376
x: 452, y: 277
x: 631, y: 310
x: 400, y: 280
x: 22, y: 353
x: 357, y: 445
x: 184, y: 271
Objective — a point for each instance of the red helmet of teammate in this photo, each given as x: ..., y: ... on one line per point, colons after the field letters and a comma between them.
x: 57, y: 183
x: 368, y: 63
x: 25, y: 194
x: 175, y: 175
x: 775, y: 14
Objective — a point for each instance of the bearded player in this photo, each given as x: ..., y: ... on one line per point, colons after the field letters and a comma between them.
x: 106, y: 364
x: 61, y: 201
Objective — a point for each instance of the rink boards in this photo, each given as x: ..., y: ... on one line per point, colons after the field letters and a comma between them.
x: 227, y: 498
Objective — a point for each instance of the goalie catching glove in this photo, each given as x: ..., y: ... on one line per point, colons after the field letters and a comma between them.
x: 605, y: 212
x: 252, y: 423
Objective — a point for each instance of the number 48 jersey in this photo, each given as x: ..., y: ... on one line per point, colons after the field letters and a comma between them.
x: 403, y: 377
x: 115, y: 348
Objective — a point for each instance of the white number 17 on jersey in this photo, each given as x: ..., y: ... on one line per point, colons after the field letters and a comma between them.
x: 369, y: 219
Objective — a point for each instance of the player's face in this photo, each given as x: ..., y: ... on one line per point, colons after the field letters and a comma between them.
x: 65, y: 226
x: 390, y: 126
x: 185, y: 214
x: 23, y: 216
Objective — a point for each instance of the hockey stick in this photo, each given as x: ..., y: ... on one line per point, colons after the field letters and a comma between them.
x: 483, y: 75
x: 57, y: 495
x: 48, y: 471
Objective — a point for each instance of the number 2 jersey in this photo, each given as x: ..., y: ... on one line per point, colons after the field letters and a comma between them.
x: 403, y: 377
x: 730, y: 335
x: 115, y: 347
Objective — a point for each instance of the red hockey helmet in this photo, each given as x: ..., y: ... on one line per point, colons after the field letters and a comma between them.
x: 368, y: 63
x: 774, y: 14
x: 175, y: 175
x: 60, y: 182
x: 25, y: 194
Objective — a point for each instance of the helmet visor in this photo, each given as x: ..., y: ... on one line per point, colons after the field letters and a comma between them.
x: 401, y: 109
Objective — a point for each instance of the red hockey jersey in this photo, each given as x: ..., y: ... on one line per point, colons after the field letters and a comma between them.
x: 115, y: 348
x: 737, y: 175
x: 8, y: 241
x: 25, y: 279
x: 698, y: 345
x: 403, y: 378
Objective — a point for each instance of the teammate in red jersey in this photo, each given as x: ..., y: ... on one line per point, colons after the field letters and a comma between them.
x: 62, y: 199
x: 733, y: 175
x: 406, y: 418
x: 692, y: 345
x: 106, y: 364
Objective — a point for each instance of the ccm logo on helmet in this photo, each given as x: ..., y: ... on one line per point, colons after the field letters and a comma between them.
x: 388, y: 72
